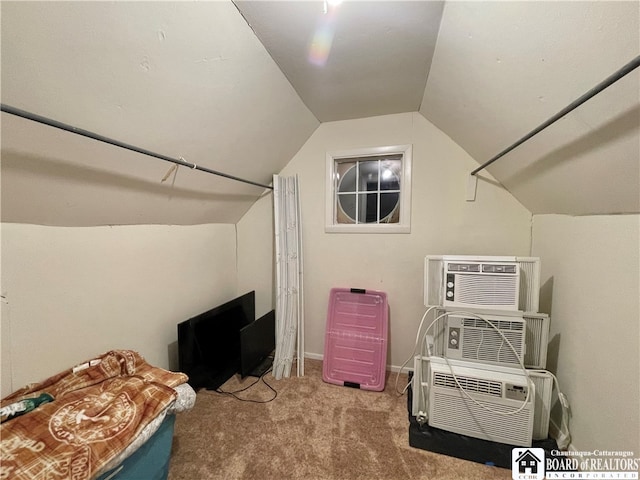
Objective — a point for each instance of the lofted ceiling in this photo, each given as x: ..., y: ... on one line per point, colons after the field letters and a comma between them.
x: 359, y: 59
x: 239, y: 87
x: 502, y: 68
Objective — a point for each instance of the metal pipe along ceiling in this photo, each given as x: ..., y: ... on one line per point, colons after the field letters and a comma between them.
x: 85, y: 133
x: 610, y: 80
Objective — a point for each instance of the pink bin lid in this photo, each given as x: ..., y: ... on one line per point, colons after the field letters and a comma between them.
x: 355, y: 350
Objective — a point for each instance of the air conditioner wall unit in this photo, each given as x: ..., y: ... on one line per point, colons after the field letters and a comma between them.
x: 486, y: 282
x: 464, y: 336
x: 422, y: 392
x: 536, y: 336
x: 495, y: 406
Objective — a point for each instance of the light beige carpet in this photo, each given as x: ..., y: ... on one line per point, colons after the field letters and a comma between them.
x: 312, y: 430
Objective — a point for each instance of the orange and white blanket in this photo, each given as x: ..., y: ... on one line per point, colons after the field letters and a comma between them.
x: 99, y: 408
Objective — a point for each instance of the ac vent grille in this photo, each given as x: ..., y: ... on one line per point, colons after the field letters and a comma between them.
x: 469, y: 384
x: 459, y: 415
x: 529, y: 284
x: 490, y: 346
x: 500, y: 324
x: 536, y: 339
x: 486, y: 290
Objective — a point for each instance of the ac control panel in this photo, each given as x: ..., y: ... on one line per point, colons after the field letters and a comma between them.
x: 454, y: 337
x: 515, y: 392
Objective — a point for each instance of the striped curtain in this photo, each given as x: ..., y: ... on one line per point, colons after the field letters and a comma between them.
x: 289, y: 291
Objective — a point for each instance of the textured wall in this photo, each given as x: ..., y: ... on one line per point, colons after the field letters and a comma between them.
x: 590, y: 277
x: 72, y: 293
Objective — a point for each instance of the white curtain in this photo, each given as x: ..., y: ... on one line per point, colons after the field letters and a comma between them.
x: 289, y: 291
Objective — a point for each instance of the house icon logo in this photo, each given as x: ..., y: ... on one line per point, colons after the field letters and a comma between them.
x: 527, y: 464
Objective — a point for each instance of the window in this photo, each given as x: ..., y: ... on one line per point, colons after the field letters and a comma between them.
x: 369, y: 190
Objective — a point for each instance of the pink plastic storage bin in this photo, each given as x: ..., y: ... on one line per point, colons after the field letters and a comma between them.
x: 355, y: 345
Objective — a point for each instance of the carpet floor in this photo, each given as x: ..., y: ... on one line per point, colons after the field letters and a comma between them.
x: 311, y: 430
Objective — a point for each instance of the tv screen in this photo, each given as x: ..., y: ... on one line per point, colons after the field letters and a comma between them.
x: 209, y: 343
x: 257, y: 341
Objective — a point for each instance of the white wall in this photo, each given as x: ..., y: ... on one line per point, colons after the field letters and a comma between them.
x: 442, y: 222
x: 256, y: 254
x: 591, y: 288
x: 73, y: 293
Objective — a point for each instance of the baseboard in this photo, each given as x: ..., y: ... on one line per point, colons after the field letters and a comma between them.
x: 313, y: 356
x: 319, y: 356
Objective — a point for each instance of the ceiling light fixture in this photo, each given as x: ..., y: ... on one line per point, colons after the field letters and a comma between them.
x: 330, y: 3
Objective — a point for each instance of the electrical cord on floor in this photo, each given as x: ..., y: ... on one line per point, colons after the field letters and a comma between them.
x: 260, y: 379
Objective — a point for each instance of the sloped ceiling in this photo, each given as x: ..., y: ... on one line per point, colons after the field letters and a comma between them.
x: 183, y: 79
x: 240, y: 87
x: 502, y: 68
x: 359, y: 59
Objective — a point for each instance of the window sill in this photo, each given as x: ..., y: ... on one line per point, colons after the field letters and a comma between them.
x: 364, y: 228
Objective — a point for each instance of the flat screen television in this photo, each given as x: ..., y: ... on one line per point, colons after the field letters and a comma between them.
x: 209, y: 343
x: 257, y: 342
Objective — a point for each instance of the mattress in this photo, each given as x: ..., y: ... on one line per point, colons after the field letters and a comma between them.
x: 92, y: 417
x: 151, y: 460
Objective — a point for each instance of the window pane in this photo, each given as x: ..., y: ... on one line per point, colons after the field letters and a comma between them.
x: 367, y: 208
x: 346, y: 176
x: 390, y: 174
x: 389, y: 211
x: 346, y: 211
x: 369, y: 176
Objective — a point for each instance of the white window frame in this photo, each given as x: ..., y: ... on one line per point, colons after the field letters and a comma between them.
x: 404, y: 225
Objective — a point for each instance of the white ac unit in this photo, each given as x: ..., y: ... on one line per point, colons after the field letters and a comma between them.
x: 423, y: 389
x: 486, y: 282
x: 470, y: 337
x: 495, y: 406
x: 480, y: 342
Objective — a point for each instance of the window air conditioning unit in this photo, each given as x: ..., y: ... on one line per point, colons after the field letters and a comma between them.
x: 487, y: 282
x: 478, y: 341
x: 499, y: 388
x: 466, y: 337
x: 492, y: 406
